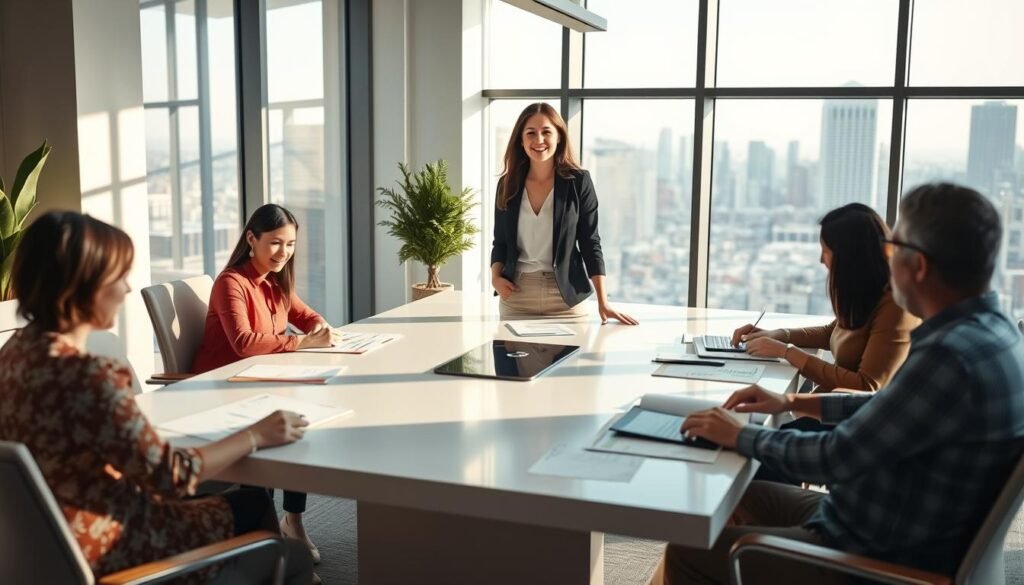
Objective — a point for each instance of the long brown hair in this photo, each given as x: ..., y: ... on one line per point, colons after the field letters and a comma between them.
x: 267, y: 218
x: 860, y: 272
x: 63, y: 261
x: 517, y: 163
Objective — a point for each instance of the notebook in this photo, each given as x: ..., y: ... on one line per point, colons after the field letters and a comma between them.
x: 287, y: 374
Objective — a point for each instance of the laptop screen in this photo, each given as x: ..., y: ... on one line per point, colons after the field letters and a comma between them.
x: 508, y: 360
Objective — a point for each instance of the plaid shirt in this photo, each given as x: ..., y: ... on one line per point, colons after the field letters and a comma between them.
x: 913, y: 470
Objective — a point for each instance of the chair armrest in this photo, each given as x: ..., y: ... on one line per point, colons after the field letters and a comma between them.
x: 200, y: 558
x: 828, y: 558
x: 167, y: 378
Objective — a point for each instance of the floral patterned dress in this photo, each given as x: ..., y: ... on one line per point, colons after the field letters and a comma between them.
x: 119, y: 485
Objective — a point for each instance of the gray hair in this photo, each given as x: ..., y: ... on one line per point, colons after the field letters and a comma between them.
x: 959, y: 231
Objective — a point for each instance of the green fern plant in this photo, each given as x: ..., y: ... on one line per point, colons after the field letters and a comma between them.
x: 14, y: 209
x: 430, y: 220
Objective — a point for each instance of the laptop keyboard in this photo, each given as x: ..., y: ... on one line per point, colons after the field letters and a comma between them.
x: 718, y: 342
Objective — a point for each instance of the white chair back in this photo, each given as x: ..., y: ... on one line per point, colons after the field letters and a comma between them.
x: 178, y: 312
x: 37, y: 544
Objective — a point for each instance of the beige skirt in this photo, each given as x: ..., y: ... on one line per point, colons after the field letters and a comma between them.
x: 538, y: 296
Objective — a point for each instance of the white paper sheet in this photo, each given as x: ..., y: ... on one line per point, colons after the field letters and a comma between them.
x: 524, y: 329
x: 564, y: 460
x: 272, y: 372
x: 355, y: 342
x: 731, y: 372
x: 226, y: 419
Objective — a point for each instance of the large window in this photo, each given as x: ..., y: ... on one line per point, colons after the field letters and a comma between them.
x: 790, y: 109
x: 188, y: 49
x: 780, y: 165
x: 190, y: 68
x: 303, y: 88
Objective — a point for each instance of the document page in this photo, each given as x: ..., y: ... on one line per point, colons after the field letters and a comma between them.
x: 524, y: 329
x: 287, y: 373
x: 738, y: 372
x: 564, y: 460
x: 354, y: 342
x: 226, y: 419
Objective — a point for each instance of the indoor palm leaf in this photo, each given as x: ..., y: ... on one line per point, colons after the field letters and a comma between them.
x: 15, y: 206
x: 430, y: 220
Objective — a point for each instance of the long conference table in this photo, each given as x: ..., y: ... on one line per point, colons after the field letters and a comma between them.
x: 439, y: 464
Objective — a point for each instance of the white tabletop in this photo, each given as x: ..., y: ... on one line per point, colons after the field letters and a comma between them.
x: 463, y: 445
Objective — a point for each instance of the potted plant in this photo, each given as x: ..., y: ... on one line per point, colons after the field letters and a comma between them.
x: 15, y: 205
x: 430, y: 220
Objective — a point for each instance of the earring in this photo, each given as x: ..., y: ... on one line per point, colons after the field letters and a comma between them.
x: 251, y: 254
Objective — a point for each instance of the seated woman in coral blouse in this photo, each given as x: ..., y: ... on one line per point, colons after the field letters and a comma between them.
x: 251, y: 305
x: 122, y: 489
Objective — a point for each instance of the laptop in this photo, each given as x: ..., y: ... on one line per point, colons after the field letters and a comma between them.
x: 508, y: 360
x: 717, y: 354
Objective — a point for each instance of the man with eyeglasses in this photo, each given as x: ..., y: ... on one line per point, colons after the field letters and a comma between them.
x: 913, y: 469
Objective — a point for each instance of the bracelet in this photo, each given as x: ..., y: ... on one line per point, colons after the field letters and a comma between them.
x: 252, y: 441
x: 789, y: 336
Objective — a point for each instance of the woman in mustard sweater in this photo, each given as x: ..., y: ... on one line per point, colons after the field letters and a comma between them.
x: 870, y: 335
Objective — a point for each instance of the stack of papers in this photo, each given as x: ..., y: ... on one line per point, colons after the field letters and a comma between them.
x: 288, y: 374
x: 230, y: 418
x: 355, y: 342
x: 522, y: 329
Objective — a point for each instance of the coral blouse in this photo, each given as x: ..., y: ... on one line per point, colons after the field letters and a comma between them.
x: 118, y: 484
x: 249, y: 316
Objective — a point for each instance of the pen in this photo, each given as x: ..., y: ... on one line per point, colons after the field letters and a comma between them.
x: 759, y: 317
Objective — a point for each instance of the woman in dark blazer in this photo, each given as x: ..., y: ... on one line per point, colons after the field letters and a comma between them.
x: 546, y: 241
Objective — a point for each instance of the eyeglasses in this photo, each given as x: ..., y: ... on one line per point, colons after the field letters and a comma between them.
x: 889, y: 247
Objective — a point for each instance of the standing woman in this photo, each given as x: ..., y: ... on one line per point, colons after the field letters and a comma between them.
x: 252, y: 302
x: 123, y: 490
x: 546, y: 241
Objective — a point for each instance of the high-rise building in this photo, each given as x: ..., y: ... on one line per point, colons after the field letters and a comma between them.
x: 686, y: 163
x: 760, y: 160
x: 798, y: 178
x: 303, y: 175
x: 990, y: 154
x: 722, y: 178
x: 882, y: 181
x: 666, y: 178
x: 848, y: 129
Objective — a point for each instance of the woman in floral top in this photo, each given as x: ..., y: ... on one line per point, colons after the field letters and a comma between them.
x: 124, y: 491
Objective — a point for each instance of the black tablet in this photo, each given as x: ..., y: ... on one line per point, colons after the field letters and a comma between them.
x: 508, y: 360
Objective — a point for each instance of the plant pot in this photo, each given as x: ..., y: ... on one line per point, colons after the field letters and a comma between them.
x: 420, y: 290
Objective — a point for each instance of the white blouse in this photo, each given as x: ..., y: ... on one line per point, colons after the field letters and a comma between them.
x: 536, y: 235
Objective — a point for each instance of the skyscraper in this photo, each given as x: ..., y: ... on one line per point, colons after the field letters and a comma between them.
x: 990, y: 154
x: 760, y: 160
x: 848, y: 129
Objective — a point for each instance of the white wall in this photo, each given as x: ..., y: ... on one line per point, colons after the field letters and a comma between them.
x: 112, y: 146
x: 427, y: 73
x: 72, y: 74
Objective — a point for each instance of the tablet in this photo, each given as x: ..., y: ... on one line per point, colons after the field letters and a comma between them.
x: 508, y: 360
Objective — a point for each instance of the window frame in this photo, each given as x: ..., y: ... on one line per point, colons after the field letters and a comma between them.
x: 572, y: 96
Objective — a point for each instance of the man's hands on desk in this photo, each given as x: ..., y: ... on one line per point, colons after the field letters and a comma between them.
x: 717, y: 425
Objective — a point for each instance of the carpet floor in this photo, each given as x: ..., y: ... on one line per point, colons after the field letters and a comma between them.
x: 627, y: 561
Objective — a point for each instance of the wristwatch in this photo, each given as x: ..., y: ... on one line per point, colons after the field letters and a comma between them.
x: 785, y: 354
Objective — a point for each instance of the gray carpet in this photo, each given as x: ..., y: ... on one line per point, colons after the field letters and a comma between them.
x: 627, y: 561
